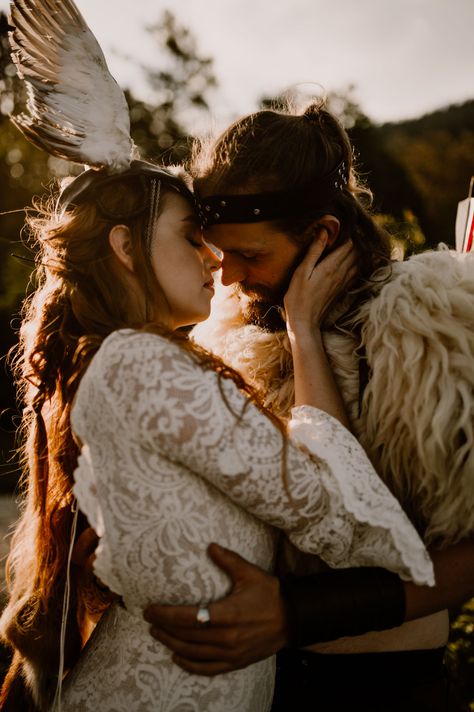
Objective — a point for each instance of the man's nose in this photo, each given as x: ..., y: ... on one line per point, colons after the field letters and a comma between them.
x: 232, y: 271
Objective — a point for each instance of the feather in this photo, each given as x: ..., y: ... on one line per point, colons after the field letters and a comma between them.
x: 76, y: 110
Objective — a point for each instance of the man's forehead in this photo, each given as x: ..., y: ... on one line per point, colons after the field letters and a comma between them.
x: 238, y: 237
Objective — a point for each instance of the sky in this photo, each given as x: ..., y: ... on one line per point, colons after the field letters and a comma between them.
x: 403, y: 57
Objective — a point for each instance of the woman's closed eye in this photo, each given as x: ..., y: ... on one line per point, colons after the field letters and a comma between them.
x: 195, y: 239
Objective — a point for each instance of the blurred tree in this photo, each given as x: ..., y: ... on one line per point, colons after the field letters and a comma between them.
x: 460, y: 659
x: 440, y: 164
x: 397, y: 201
x: 179, y: 93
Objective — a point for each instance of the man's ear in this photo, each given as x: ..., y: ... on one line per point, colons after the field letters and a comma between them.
x: 121, y: 243
x: 327, y: 222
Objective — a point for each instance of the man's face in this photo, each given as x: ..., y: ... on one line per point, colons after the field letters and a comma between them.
x: 260, y: 261
x: 258, y: 258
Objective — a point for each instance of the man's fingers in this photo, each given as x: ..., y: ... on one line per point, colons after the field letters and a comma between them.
x: 192, y: 651
x: 208, y: 669
x: 220, y: 636
x: 235, y: 566
x: 184, y: 617
x: 171, y: 616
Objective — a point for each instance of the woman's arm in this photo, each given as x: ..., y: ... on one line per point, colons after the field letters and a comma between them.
x: 314, y: 287
x: 330, y: 502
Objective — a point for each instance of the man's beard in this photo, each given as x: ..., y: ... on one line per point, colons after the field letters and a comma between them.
x: 262, y: 306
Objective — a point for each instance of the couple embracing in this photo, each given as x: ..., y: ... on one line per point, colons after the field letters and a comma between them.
x: 324, y: 370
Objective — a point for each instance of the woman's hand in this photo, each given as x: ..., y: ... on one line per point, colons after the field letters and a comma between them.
x: 316, y: 284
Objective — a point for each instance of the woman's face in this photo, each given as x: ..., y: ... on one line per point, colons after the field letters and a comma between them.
x: 182, y: 262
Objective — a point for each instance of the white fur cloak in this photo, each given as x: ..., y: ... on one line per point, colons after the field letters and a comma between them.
x: 416, y: 418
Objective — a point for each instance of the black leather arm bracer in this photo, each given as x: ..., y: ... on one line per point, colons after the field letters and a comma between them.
x: 342, y: 602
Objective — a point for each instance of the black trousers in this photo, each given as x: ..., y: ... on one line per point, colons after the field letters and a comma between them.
x: 408, y: 681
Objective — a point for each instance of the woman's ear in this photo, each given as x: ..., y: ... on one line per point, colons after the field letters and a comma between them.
x: 121, y: 243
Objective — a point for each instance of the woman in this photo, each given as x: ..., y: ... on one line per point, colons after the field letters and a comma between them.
x: 168, y: 448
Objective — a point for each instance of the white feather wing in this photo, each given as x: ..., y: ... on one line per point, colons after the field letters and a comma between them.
x: 76, y: 109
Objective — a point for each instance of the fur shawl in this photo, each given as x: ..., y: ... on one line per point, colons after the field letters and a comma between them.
x: 416, y: 415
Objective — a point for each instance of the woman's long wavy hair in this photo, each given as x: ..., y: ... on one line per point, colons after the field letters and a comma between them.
x: 282, y: 150
x: 80, y: 298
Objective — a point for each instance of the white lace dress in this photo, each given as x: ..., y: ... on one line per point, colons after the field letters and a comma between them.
x: 173, y: 458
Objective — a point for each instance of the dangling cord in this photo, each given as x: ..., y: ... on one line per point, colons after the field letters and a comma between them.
x: 67, y: 591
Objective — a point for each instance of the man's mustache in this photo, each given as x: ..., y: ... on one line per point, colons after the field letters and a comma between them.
x: 259, y: 292
x: 271, y: 295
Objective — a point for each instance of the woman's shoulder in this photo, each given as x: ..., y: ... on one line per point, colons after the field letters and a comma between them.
x: 131, y: 339
x: 125, y: 348
x: 128, y: 359
x: 127, y: 362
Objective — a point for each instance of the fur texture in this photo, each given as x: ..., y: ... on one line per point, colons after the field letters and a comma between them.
x: 416, y: 419
x: 419, y: 403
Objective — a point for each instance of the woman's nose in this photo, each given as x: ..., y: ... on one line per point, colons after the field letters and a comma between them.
x: 213, y: 261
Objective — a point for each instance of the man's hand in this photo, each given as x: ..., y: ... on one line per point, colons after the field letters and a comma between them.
x: 246, y: 626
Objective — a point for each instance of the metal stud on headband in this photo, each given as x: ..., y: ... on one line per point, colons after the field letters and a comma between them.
x: 257, y: 207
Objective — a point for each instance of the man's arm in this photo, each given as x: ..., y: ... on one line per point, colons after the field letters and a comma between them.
x: 454, y: 573
x: 258, y: 617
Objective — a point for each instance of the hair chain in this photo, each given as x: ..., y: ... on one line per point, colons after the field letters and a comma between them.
x: 155, y: 192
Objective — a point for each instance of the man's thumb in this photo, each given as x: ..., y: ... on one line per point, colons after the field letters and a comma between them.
x: 235, y: 566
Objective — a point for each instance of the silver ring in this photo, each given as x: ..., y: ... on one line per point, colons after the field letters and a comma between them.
x: 203, y: 617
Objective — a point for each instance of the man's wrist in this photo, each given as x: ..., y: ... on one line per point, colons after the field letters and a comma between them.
x: 342, y: 602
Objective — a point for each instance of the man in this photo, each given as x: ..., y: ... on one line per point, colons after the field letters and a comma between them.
x: 266, y: 188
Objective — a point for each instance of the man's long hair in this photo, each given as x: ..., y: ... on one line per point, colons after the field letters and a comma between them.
x: 282, y: 150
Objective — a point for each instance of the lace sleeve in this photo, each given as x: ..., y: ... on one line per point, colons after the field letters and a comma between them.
x: 354, y: 484
x: 323, y: 498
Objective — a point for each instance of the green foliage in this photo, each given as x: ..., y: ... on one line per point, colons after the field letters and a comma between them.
x: 406, y: 234
x: 439, y: 161
x: 460, y: 658
x: 418, y: 170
